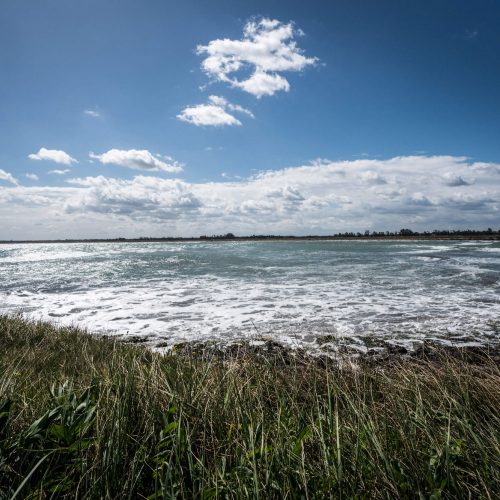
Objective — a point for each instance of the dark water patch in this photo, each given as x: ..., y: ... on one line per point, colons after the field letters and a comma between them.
x: 185, y: 303
x: 489, y: 278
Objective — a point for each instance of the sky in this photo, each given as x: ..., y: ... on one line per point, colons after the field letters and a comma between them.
x: 128, y: 118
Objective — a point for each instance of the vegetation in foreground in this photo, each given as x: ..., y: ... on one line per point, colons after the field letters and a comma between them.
x: 88, y: 417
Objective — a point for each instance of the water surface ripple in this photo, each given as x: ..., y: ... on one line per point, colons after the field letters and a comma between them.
x: 362, y: 293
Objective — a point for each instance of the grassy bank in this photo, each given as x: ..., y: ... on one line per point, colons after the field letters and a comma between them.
x: 83, y: 416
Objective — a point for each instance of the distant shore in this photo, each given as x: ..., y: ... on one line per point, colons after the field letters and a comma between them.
x: 495, y: 236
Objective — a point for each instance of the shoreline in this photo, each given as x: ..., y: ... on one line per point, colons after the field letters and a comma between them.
x: 280, y: 354
x: 325, y: 347
x: 430, y: 350
x: 334, y: 347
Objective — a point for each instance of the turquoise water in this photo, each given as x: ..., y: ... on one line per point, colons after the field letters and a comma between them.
x: 361, y: 293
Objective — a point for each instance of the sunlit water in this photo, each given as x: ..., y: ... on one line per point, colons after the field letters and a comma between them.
x: 304, y: 293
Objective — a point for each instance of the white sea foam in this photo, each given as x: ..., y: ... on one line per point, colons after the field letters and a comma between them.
x: 294, y: 292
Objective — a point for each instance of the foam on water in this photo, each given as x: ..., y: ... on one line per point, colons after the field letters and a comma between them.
x: 363, y: 293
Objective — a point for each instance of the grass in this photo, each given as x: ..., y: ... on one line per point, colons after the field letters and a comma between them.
x: 88, y: 417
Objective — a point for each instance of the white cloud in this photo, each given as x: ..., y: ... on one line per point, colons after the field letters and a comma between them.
x: 261, y: 83
x: 92, y: 113
x: 267, y: 48
x: 142, y: 197
x: 138, y: 159
x: 6, y: 176
x: 419, y: 199
x: 31, y: 177
x: 59, y: 172
x: 224, y: 103
x: 207, y: 114
x: 470, y: 201
x: 287, y: 192
x: 214, y: 113
x: 54, y: 155
x: 323, y: 197
x: 373, y: 177
x: 227, y: 176
x: 452, y: 179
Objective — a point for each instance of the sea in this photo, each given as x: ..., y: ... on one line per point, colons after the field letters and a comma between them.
x: 315, y: 295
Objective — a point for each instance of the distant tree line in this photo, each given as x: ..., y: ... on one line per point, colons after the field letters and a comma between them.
x: 402, y: 233
x: 368, y: 234
x: 347, y: 234
x: 227, y: 236
x: 410, y: 232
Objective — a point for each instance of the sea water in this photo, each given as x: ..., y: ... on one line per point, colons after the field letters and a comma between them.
x: 311, y: 294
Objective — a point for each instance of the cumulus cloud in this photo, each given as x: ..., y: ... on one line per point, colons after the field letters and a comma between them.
x: 207, y: 115
x: 255, y: 62
x: 288, y: 193
x: 55, y: 155
x: 59, y: 172
x: 31, y: 177
x: 419, y: 199
x: 138, y: 159
x: 143, y: 197
x: 452, y: 179
x: 6, y: 176
x: 323, y: 197
x: 372, y: 177
x: 224, y: 103
x: 214, y: 113
x: 468, y: 201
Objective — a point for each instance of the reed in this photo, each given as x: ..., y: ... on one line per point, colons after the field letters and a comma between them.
x: 83, y: 416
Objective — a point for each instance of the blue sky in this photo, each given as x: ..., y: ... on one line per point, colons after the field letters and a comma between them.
x: 117, y: 85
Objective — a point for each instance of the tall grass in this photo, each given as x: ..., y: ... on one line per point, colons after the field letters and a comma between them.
x: 88, y: 417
